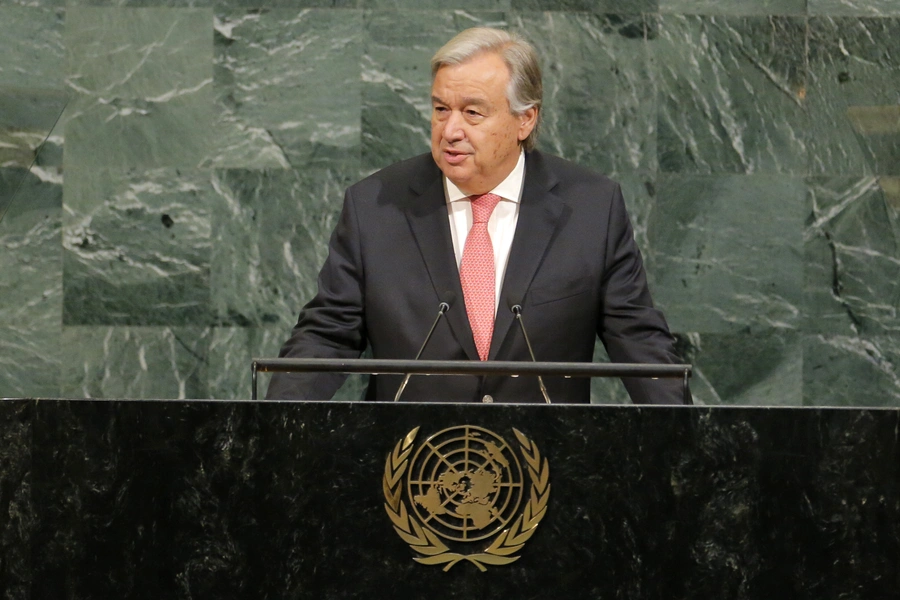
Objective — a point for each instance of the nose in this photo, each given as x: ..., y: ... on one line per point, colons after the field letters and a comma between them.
x: 453, y: 130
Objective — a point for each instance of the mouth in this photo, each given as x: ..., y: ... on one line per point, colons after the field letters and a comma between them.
x: 454, y: 157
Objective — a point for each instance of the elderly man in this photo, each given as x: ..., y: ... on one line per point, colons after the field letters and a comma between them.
x: 482, y: 223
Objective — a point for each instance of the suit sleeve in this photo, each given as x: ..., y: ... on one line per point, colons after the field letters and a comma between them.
x: 631, y: 329
x: 332, y: 324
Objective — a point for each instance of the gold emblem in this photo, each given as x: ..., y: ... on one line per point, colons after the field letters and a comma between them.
x: 466, y: 491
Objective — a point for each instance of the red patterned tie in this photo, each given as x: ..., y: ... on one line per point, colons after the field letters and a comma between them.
x: 477, y: 274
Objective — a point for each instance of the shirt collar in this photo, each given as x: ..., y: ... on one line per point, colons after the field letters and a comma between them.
x: 509, y: 189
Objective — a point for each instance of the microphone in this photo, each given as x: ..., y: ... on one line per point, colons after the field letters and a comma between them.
x: 517, y: 310
x: 443, y: 307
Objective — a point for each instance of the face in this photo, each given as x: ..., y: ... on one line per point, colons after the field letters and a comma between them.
x: 474, y: 136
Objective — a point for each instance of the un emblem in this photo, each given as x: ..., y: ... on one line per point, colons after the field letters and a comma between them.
x: 468, y: 496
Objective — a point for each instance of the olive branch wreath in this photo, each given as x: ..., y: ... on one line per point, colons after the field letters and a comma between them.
x: 502, y: 550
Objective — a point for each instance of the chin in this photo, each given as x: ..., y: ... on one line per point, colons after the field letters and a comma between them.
x: 459, y: 176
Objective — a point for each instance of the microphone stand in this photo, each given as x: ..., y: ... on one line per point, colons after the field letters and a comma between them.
x: 442, y: 308
x: 517, y: 310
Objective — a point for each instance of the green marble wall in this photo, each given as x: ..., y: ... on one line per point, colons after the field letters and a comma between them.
x: 207, y: 144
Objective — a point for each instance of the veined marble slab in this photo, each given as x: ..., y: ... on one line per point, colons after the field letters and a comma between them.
x: 233, y: 348
x: 866, y: 8
x: 142, y: 84
x: 288, y: 88
x: 732, y: 94
x: 854, y: 68
x: 843, y: 370
x: 852, y: 256
x: 726, y: 252
x: 30, y: 282
x: 599, y: 88
x: 757, y: 367
x: 134, y: 362
x: 270, y: 238
x: 32, y: 96
x: 733, y: 7
x: 136, y: 247
x: 599, y: 6
x: 31, y: 44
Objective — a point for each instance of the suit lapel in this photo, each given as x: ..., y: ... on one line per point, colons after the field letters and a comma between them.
x: 540, y: 215
x: 427, y: 216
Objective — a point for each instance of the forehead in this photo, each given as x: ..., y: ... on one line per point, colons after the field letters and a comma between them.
x: 484, y: 75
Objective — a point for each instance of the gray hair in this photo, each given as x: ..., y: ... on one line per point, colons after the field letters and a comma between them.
x: 525, y: 89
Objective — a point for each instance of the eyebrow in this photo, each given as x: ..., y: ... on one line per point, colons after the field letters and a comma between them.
x: 471, y: 101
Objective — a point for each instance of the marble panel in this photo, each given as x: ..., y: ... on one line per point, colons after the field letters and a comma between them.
x: 287, y: 85
x: 29, y: 134
x: 434, y: 5
x: 32, y: 96
x: 136, y: 247
x: 852, y: 256
x: 233, y: 348
x: 627, y: 7
x: 142, y: 82
x: 143, y: 3
x: 396, y: 89
x: 733, y: 7
x: 30, y: 282
x: 748, y: 368
x: 854, y: 103
x: 220, y: 4
x: 16, y: 501
x: 732, y: 94
x: 135, y: 362
x: 276, y: 4
x: 862, y: 8
x: 31, y: 44
x: 139, y: 134
x: 271, y: 232
x: 151, y: 53
x: 34, y: 3
x: 599, y: 92
x: 726, y: 252
x: 849, y: 370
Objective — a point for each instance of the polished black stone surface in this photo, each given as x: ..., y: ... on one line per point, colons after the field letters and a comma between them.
x: 205, y: 499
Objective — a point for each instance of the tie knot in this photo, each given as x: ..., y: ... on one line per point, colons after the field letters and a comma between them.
x: 483, y: 206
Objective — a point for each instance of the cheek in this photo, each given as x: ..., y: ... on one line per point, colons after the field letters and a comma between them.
x: 503, y: 142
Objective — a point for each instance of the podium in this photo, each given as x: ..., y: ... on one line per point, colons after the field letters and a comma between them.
x: 241, y: 499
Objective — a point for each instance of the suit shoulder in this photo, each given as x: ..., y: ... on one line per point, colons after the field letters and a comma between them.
x: 400, y: 175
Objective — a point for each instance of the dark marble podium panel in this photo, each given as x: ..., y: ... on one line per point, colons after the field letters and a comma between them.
x: 212, y: 499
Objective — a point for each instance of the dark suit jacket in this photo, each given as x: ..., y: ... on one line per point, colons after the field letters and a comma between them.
x: 573, y: 266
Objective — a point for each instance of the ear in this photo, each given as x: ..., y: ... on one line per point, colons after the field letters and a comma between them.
x: 527, y: 121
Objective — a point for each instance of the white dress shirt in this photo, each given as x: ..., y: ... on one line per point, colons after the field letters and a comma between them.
x: 501, y: 226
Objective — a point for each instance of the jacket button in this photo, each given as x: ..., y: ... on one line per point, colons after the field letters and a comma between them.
x: 487, y: 398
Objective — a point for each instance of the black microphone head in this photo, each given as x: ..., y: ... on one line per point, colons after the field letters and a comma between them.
x: 515, y: 307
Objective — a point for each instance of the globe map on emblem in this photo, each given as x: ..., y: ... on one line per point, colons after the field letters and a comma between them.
x: 466, y: 483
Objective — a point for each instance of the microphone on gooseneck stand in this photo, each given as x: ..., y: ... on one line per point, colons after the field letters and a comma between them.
x: 443, y: 307
x: 517, y: 310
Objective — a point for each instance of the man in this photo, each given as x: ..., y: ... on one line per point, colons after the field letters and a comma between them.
x: 483, y: 223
